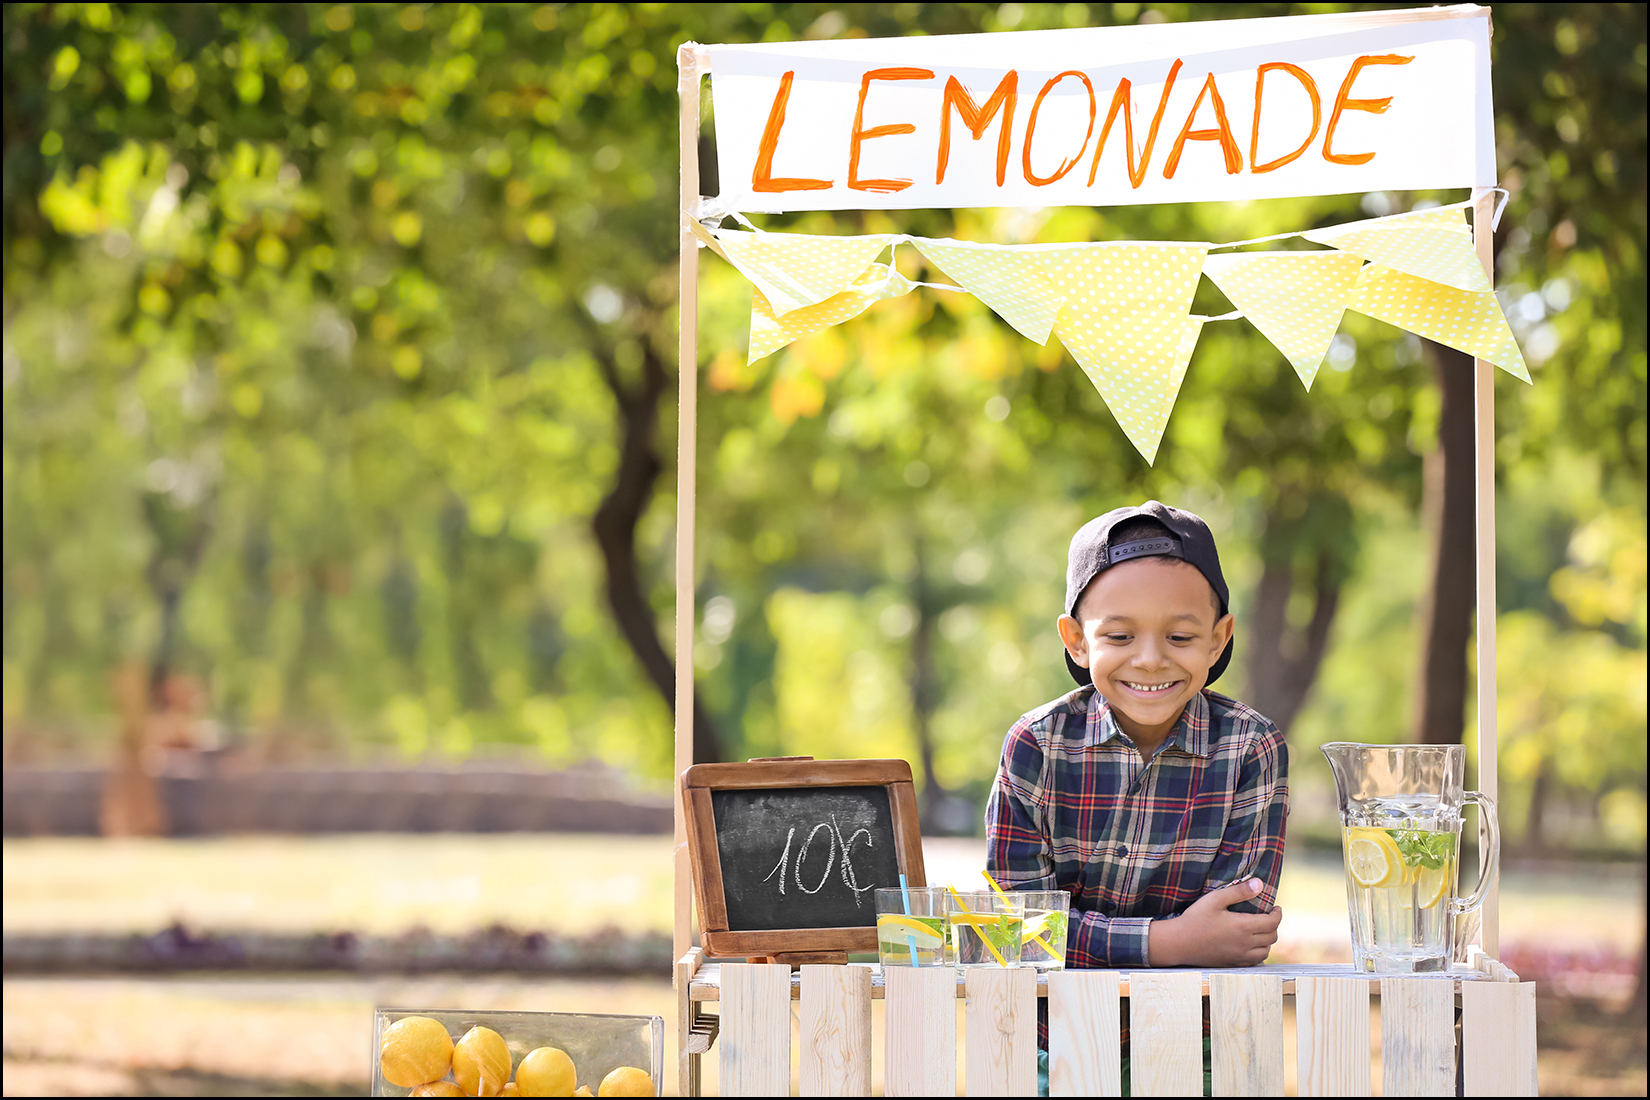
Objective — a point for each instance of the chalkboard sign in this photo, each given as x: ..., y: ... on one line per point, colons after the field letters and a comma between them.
x: 786, y: 852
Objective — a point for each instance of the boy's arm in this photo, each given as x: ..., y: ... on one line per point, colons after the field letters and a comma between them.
x: 1019, y: 855
x: 1253, y: 843
x: 1235, y: 922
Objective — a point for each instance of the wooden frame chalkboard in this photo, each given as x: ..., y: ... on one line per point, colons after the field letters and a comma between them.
x: 699, y: 787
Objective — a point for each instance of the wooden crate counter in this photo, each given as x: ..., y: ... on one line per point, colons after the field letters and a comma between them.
x: 751, y: 1029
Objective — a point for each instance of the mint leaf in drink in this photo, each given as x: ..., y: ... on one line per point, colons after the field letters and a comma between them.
x: 1421, y: 848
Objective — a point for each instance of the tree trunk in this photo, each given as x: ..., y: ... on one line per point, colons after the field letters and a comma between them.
x: 1283, y: 660
x: 1535, y: 839
x: 614, y: 526
x: 1449, y: 513
x: 131, y: 804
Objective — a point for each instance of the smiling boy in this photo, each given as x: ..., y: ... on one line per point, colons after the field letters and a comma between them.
x: 1157, y: 803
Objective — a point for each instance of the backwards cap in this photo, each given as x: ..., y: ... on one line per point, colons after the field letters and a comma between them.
x: 1187, y: 537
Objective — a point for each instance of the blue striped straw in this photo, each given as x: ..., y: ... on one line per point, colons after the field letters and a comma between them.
x: 910, y: 941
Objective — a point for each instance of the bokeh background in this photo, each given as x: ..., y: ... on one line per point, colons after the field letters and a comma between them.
x: 339, y: 417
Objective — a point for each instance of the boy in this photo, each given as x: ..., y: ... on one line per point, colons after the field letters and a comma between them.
x: 1158, y: 804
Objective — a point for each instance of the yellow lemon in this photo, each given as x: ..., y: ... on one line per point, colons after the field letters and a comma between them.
x: 626, y: 1081
x: 481, y: 1062
x: 415, y: 1050
x: 1372, y: 858
x: 438, y: 1088
x: 901, y: 926
x: 512, y: 1089
x: 546, y: 1072
x: 1431, y: 885
x: 583, y: 1090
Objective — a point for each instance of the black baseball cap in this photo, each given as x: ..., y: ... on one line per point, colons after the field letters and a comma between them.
x: 1184, y: 536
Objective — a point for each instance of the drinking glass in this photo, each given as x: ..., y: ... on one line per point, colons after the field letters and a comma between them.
x: 986, y: 928
x: 1043, y: 939
x: 911, y: 926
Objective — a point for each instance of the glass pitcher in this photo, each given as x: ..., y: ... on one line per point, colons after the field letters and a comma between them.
x: 1401, y: 832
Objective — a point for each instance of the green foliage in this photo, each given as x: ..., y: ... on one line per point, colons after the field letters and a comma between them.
x: 315, y: 315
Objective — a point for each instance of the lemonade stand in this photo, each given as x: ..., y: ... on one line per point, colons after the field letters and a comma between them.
x: 1215, y: 111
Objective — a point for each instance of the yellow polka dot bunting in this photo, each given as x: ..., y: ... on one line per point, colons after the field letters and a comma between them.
x: 1464, y: 320
x: 1433, y: 244
x: 1295, y: 298
x: 1013, y: 281
x: 1124, y: 321
x: 770, y: 333
x: 796, y: 270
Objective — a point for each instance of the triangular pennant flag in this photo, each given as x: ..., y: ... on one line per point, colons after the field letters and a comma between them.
x: 1295, y: 298
x: 1013, y: 281
x: 1465, y: 321
x: 1431, y: 244
x: 795, y: 270
x: 1124, y: 321
x: 770, y: 333
x: 1182, y: 359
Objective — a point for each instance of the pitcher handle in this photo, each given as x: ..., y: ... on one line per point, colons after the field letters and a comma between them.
x: 1490, y: 858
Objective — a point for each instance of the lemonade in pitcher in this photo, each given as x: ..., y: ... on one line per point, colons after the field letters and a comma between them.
x: 1400, y: 830
x: 1398, y: 883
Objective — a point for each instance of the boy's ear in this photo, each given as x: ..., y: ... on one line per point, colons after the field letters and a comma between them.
x: 1225, y: 626
x: 1071, y: 633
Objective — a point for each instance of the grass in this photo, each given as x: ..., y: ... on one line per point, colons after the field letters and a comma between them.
x: 372, y: 884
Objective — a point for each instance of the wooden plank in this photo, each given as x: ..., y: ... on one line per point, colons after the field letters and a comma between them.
x: 1332, y: 1037
x: 1084, y: 1047
x: 921, y: 1038
x: 836, y: 1031
x: 1484, y: 525
x: 706, y: 980
x: 756, y: 1030
x: 690, y: 67
x: 1417, y: 1038
x: 687, y: 1014
x: 799, y: 772
x: 902, y: 804
x: 1498, y: 1039
x: 1001, y: 1018
x: 1166, y: 1033
x: 1246, y: 1034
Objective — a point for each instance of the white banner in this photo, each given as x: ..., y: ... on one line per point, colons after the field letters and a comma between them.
x: 1168, y: 112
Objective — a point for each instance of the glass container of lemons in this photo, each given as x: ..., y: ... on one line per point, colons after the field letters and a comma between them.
x: 417, y: 1052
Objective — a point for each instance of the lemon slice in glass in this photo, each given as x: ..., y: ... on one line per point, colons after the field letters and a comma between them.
x: 906, y: 926
x: 1372, y: 858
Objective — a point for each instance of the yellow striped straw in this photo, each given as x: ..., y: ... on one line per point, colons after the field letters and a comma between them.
x: 989, y: 946
x: 1003, y: 894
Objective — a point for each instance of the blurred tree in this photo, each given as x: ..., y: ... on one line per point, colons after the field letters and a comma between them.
x: 372, y: 305
x: 1570, y: 115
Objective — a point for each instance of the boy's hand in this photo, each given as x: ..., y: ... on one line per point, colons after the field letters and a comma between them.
x: 1210, y: 934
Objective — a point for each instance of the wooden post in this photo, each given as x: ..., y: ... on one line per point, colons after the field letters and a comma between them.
x: 1001, y: 1015
x: 755, y: 1043
x: 690, y: 66
x: 920, y: 1023
x: 1418, y: 1036
x: 1484, y: 424
x: 1332, y: 1036
x: 1084, y: 1047
x: 1246, y: 1034
x: 1165, y: 1033
x: 836, y: 1030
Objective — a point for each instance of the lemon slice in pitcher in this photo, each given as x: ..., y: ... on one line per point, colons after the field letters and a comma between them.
x: 906, y: 926
x: 1372, y: 858
x: 1431, y: 884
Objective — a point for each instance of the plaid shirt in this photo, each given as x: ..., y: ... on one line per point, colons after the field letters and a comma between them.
x: 1073, y: 808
